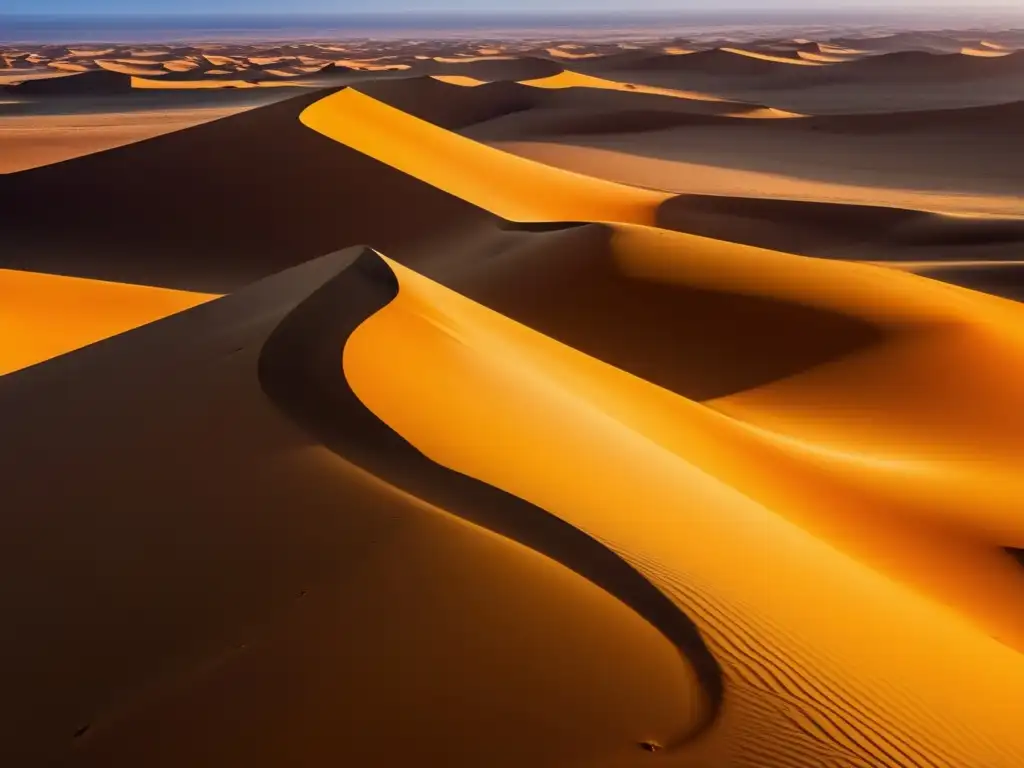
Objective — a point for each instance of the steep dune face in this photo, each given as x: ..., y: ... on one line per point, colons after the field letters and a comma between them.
x: 272, y: 639
x: 86, y: 83
x: 546, y: 400
x: 88, y: 310
x: 234, y: 226
x: 695, y: 340
x: 466, y: 169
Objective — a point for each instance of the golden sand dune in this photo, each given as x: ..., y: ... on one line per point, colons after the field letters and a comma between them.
x: 252, y: 234
x: 459, y: 166
x: 563, y: 53
x: 546, y: 400
x: 69, y: 66
x: 718, y: 61
x: 561, y: 105
x: 983, y: 50
x: 147, y: 69
x: 88, y: 310
x: 216, y: 82
x: 336, y: 647
x: 769, y: 57
x: 624, y: 166
x: 497, y: 68
x: 573, y: 473
x: 84, y: 83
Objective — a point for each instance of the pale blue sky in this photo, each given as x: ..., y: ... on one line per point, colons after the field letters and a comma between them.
x: 79, y: 7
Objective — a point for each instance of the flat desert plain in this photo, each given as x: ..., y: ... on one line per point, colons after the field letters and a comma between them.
x: 496, y: 403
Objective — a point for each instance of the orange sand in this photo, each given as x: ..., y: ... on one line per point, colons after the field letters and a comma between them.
x: 42, y: 316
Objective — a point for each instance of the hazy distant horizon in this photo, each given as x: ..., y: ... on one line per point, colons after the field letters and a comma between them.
x: 94, y: 26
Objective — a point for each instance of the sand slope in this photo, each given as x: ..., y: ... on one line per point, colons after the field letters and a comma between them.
x: 279, y: 639
x: 544, y: 467
x: 47, y: 315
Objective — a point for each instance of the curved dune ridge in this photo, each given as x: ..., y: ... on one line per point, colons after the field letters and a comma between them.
x: 528, y: 192
x: 533, y: 467
x: 694, y: 102
x: 926, y: 529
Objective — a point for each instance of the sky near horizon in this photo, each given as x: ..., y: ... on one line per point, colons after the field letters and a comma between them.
x: 82, y: 7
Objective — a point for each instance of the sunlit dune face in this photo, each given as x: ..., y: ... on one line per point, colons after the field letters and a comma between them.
x: 727, y: 520
x: 823, y: 58
x: 148, y: 70
x: 576, y: 80
x: 562, y: 53
x: 985, y: 52
x: 145, y: 83
x: 180, y: 66
x: 370, y: 65
x: 770, y: 57
x: 461, y: 80
x: 470, y: 59
x: 43, y: 316
x: 528, y: 192
x: 68, y: 66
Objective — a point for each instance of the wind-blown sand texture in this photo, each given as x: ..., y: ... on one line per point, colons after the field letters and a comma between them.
x: 524, y: 403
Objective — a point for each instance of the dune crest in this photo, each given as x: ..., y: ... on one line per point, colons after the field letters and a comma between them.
x: 465, y: 168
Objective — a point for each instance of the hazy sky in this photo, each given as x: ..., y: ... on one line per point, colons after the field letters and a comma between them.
x: 472, y: 6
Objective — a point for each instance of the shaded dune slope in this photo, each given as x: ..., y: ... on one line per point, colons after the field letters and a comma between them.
x: 82, y: 84
x: 270, y: 639
x: 299, y: 371
x: 235, y: 227
x: 818, y: 717
x: 578, y: 286
x: 824, y: 229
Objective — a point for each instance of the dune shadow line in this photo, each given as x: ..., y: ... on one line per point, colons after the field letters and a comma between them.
x: 300, y: 370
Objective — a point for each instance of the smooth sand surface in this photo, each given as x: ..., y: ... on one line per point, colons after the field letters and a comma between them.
x: 43, y: 316
x: 524, y: 403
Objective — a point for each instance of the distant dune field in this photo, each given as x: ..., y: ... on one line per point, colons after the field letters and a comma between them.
x: 555, y: 402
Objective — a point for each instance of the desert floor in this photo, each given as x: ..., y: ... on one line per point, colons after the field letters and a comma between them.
x: 562, y: 403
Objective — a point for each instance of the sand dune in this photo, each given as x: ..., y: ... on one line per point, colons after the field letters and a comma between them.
x: 576, y: 396
x: 686, y: 440
x: 717, y: 61
x: 211, y: 669
x: 567, y: 103
x: 464, y: 168
x: 38, y: 140
x: 85, y: 83
x: 237, y: 228
x: 491, y: 69
x: 89, y: 310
